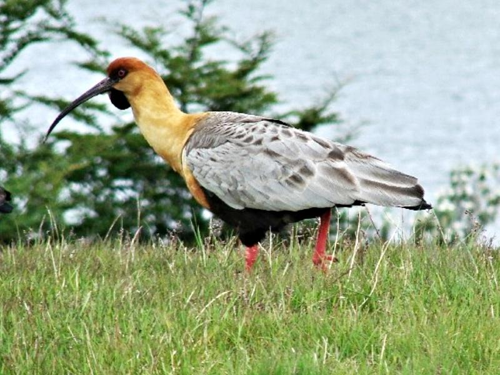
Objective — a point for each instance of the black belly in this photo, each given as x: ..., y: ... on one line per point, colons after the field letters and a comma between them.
x: 252, y: 224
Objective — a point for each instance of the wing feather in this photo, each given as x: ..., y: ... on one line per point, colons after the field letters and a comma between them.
x: 253, y: 162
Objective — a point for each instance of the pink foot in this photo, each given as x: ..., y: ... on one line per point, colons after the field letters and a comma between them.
x: 318, y: 261
x: 251, y: 257
x: 320, y: 257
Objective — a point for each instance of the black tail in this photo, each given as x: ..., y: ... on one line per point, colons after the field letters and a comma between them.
x: 422, y: 206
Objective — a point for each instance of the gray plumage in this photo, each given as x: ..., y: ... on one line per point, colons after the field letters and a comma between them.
x: 253, y: 162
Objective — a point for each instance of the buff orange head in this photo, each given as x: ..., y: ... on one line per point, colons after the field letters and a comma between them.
x: 124, y: 76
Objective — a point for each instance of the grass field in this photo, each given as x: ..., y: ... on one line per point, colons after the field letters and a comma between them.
x: 114, y: 307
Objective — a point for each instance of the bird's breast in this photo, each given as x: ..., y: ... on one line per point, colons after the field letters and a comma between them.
x: 194, y: 187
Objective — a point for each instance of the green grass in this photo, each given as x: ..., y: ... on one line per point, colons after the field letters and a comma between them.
x: 115, y: 307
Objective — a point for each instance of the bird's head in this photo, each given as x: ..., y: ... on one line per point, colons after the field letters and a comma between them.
x: 125, y: 78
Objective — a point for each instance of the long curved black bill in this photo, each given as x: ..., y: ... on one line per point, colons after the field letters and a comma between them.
x: 104, y: 86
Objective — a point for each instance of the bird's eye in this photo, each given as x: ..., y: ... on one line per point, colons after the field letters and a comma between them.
x: 121, y: 73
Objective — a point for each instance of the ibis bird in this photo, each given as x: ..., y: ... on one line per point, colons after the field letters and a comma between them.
x: 255, y: 173
x: 5, y: 197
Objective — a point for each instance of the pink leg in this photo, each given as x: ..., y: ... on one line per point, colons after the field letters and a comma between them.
x: 251, y: 256
x: 320, y: 252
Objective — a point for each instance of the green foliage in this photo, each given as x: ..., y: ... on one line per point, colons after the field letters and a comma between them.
x: 37, y: 177
x: 40, y: 175
x: 204, y: 84
x: 22, y: 24
x: 464, y: 209
x: 123, y: 308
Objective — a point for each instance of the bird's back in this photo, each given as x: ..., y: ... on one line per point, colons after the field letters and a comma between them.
x: 265, y: 164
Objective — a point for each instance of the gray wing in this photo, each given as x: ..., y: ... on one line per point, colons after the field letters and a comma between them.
x: 253, y: 162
